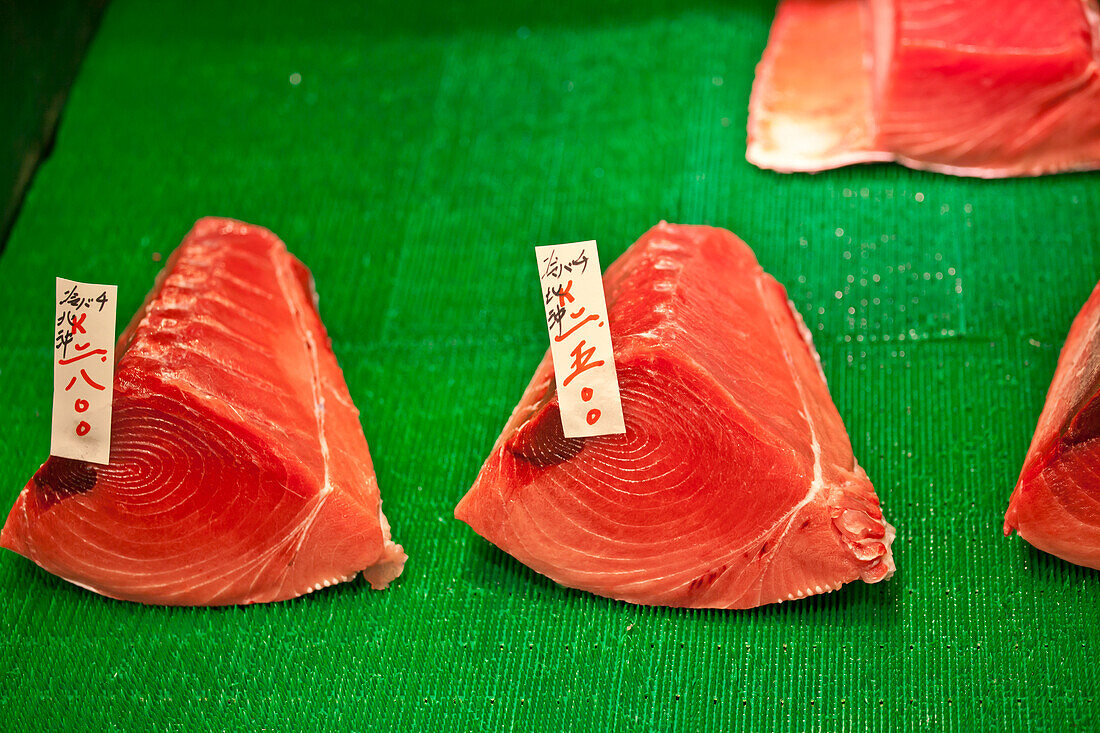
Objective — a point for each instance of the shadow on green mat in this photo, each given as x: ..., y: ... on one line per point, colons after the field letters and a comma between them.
x: 1044, y: 564
x: 490, y: 570
x: 28, y: 580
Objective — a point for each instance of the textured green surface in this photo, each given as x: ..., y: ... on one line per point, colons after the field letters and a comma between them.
x: 416, y: 163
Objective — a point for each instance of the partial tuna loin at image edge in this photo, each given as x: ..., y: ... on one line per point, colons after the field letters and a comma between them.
x: 239, y: 471
x: 735, y: 484
x: 987, y: 89
x: 1056, y: 503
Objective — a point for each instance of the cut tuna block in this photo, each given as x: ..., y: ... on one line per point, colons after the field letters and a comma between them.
x: 811, y: 104
x: 989, y: 89
x: 239, y: 472
x: 1056, y: 504
x: 734, y: 484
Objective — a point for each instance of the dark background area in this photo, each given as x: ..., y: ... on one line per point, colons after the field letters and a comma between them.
x: 41, y: 47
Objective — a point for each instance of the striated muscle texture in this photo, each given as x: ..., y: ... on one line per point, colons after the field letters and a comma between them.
x: 989, y: 89
x: 239, y: 472
x: 735, y: 483
x: 1056, y: 503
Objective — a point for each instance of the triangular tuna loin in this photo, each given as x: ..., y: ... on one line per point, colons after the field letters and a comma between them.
x: 1056, y: 504
x: 735, y: 483
x: 239, y: 472
x: 989, y: 89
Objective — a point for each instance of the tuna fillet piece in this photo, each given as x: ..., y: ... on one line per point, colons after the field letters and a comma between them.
x: 989, y: 89
x: 734, y: 484
x: 239, y: 472
x: 1056, y: 504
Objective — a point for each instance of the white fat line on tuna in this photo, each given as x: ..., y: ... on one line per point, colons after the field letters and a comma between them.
x: 315, y: 370
x: 818, y: 481
x: 318, y: 401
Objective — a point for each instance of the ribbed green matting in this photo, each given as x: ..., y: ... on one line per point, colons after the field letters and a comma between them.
x: 423, y: 153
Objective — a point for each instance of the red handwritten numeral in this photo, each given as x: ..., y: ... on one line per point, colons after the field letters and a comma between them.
x: 571, y: 331
x: 89, y: 380
x: 82, y: 428
x: 582, y: 361
x: 65, y: 362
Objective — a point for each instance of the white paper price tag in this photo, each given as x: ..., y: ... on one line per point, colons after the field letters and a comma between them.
x: 83, y: 371
x: 580, y: 340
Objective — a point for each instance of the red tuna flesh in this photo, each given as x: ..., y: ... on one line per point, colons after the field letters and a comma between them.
x: 239, y: 472
x: 989, y: 89
x: 735, y: 483
x: 1056, y: 503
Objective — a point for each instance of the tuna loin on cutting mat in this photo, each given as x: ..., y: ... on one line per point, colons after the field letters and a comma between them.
x: 735, y: 483
x: 239, y: 472
x: 990, y: 88
x: 1056, y: 504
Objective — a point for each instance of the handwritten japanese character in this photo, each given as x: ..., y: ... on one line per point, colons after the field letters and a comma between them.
x: 86, y: 354
x: 89, y: 380
x: 62, y: 340
x: 592, y: 317
x: 553, y: 266
x: 554, y: 317
x: 582, y: 361
x: 73, y: 298
x: 580, y: 260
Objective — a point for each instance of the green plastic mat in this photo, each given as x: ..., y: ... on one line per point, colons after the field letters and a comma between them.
x: 412, y: 154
